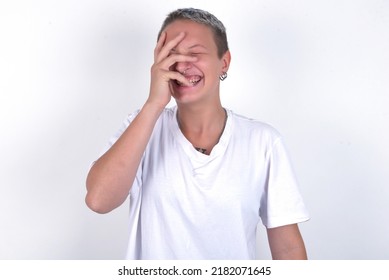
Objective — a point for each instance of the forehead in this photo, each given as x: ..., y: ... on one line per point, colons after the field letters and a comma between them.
x: 196, y: 33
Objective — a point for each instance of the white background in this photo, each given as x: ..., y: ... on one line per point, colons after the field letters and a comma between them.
x: 71, y: 70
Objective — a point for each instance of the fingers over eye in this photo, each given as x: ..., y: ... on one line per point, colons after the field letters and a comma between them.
x: 165, y: 50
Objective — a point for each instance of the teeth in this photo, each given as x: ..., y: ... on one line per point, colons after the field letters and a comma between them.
x: 193, y: 81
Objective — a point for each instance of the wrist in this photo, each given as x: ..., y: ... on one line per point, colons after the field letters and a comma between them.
x: 153, y: 108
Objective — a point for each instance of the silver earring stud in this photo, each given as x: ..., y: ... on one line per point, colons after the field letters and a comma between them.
x: 223, y: 76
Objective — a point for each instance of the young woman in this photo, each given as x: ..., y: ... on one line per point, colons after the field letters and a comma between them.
x: 199, y: 176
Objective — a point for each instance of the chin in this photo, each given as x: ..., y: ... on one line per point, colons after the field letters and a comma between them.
x: 185, y: 94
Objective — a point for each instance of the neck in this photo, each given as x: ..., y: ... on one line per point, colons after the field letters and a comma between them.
x: 199, y: 120
x: 202, y: 127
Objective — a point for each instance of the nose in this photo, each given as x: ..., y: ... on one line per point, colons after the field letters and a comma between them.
x: 182, y: 67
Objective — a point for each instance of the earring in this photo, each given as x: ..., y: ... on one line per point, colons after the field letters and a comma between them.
x: 223, y: 76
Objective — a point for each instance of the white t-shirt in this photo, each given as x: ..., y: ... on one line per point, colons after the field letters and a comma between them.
x: 188, y: 205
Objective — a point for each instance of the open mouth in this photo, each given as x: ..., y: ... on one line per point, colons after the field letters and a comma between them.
x: 193, y: 80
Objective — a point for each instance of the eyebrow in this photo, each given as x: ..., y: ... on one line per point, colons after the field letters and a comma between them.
x: 197, y: 45
x: 193, y: 47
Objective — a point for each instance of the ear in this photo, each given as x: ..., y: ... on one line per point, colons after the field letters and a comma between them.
x: 226, y: 60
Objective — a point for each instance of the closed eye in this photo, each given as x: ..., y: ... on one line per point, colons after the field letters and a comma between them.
x: 197, y: 53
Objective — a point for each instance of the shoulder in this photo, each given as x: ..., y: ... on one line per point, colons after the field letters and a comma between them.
x: 167, y: 114
x: 253, y: 128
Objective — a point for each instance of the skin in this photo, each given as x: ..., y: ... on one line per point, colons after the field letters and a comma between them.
x: 200, y: 113
x: 286, y: 243
x: 185, y: 52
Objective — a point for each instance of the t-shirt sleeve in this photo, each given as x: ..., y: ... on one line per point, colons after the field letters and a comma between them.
x: 282, y: 203
x: 120, y: 131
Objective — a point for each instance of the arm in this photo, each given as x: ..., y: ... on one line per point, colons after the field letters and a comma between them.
x: 286, y: 243
x: 111, y: 177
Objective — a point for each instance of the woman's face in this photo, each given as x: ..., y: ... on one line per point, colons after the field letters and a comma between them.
x: 202, y: 74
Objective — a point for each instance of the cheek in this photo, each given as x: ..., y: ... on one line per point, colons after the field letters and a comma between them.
x: 208, y: 67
